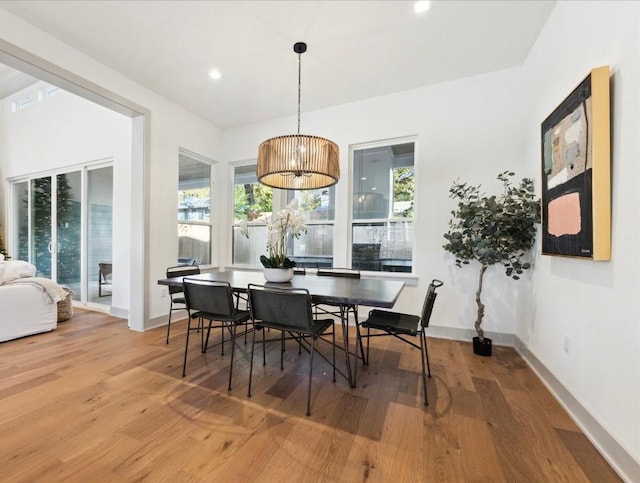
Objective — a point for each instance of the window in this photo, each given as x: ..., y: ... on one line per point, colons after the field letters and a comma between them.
x: 382, y: 217
x: 251, y: 200
x: 28, y: 99
x: 254, y: 201
x: 22, y: 103
x: 194, y: 210
x: 314, y: 249
x: 48, y: 91
x: 382, y: 228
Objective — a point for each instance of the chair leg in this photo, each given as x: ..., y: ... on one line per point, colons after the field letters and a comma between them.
x: 205, y: 344
x: 282, y: 350
x: 233, y: 348
x: 345, y: 335
x: 237, y: 295
x: 313, y: 340
x: 264, y: 348
x: 253, y: 344
x: 186, y: 347
x: 423, y: 357
x: 426, y: 352
x: 333, y: 341
x: 222, y: 331
x: 171, y: 311
x: 365, y: 359
x: 169, y: 324
x: 368, y: 337
x: 355, y: 314
x: 358, y: 345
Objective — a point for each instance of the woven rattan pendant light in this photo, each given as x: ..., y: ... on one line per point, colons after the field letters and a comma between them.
x: 298, y: 161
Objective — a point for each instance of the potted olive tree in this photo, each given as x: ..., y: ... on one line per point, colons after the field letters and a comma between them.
x: 492, y: 229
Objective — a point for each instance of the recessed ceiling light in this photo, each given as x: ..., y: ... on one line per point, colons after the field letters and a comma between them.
x: 215, y: 74
x: 421, y: 7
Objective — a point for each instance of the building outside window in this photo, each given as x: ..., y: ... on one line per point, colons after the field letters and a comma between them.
x: 382, y: 225
x: 194, y: 210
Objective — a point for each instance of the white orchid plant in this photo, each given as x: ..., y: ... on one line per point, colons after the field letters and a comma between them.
x: 281, y: 226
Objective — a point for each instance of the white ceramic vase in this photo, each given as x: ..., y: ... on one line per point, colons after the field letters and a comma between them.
x: 278, y: 275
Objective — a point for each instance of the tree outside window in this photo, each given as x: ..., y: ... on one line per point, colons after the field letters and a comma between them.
x: 383, y: 208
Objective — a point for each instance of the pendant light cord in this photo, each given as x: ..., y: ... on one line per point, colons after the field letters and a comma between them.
x: 299, y: 82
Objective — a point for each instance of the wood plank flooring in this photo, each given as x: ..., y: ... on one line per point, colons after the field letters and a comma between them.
x: 93, y: 401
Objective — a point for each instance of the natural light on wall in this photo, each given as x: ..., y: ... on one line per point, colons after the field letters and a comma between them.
x: 421, y: 7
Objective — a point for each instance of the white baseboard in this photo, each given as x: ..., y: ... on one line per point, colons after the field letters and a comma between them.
x: 619, y: 459
x: 119, y: 312
x: 467, y: 335
x: 163, y: 320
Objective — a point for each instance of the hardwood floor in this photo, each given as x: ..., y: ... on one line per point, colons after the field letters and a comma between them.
x: 93, y: 401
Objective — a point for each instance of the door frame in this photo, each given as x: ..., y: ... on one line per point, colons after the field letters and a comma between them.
x: 83, y: 169
x: 20, y: 59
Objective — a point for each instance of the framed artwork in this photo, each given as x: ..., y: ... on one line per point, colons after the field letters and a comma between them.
x: 576, y: 173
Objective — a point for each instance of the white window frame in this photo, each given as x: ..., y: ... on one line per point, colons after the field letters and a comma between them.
x: 279, y: 201
x: 350, y: 219
x: 278, y: 196
x: 202, y: 159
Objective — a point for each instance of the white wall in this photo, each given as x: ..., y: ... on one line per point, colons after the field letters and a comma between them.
x: 170, y: 127
x: 595, y: 304
x: 65, y: 130
x: 471, y: 128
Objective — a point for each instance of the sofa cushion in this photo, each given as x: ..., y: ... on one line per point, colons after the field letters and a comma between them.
x: 14, y: 269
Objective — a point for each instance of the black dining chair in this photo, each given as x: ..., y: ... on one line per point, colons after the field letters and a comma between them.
x: 340, y: 310
x: 402, y: 326
x: 212, y: 301
x: 289, y: 311
x: 176, y: 297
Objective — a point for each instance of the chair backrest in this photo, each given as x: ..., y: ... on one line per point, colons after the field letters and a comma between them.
x: 338, y: 272
x: 181, y: 271
x: 105, y: 270
x: 429, y: 301
x: 208, y: 296
x: 284, y: 307
x: 299, y: 271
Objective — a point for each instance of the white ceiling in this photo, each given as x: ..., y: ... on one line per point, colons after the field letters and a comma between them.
x: 357, y: 49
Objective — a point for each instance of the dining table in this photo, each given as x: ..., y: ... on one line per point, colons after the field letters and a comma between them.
x: 368, y: 291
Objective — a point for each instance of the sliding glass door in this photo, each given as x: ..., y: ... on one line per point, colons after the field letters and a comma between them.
x: 99, y: 234
x: 62, y: 224
x: 40, y: 225
x: 68, y: 224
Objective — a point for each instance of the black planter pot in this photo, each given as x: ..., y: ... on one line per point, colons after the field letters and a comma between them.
x: 482, y: 347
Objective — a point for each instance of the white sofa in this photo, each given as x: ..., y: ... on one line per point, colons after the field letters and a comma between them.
x: 28, y: 304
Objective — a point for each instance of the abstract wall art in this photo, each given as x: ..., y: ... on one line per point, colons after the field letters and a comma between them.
x: 576, y: 173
